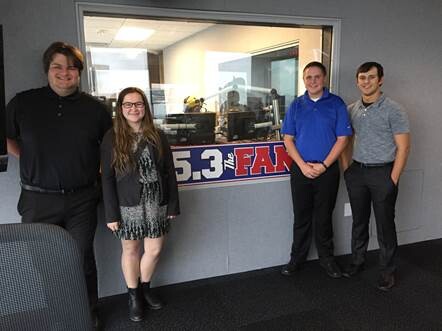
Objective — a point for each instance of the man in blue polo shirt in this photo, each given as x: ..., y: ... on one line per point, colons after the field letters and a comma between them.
x: 316, y: 129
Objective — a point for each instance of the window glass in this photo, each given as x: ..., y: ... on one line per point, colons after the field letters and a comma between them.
x: 207, y: 83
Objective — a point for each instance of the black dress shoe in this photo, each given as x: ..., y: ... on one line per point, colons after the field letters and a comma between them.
x: 386, y: 282
x: 290, y: 269
x: 332, y: 269
x: 352, y: 270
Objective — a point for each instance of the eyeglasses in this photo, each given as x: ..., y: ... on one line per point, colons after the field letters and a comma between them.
x: 128, y: 105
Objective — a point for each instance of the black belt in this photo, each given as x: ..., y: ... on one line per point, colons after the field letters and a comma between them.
x: 372, y: 165
x: 61, y: 191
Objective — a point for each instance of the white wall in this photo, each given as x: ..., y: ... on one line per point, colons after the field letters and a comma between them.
x: 184, y: 62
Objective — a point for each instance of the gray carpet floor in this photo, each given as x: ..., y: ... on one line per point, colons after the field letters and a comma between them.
x: 310, y: 300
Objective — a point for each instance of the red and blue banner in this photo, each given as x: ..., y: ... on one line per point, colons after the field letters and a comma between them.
x: 216, y: 164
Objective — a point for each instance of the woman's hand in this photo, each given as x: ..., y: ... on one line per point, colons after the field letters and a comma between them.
x: 113, y: 226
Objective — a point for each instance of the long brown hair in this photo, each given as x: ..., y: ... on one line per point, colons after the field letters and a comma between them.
x: 125, y: 138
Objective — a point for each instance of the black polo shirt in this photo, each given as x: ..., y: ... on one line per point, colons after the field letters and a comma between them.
x: 59, y: 137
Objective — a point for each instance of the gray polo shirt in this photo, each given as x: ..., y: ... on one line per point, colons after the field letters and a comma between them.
x: 374, y: 129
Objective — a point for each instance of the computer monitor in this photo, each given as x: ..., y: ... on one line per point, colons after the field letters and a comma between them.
x: 3, y: 149
x: 254, y: 103
x: 190, y: 128
x: 241, y: 125
x: 264, y: 124
x: 263, y: 117
x: 158, y: 100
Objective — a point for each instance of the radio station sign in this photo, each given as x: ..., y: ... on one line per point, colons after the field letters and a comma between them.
x: 215, y: 164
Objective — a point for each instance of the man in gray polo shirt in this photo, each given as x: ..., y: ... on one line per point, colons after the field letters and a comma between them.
x: 380, y: 151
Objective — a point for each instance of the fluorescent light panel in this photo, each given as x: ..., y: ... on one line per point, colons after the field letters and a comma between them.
x: 133, y: 34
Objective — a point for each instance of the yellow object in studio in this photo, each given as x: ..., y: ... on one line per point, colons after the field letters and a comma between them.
x: 193, y: 104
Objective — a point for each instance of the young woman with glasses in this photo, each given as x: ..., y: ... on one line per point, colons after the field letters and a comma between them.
x: 140, y: 194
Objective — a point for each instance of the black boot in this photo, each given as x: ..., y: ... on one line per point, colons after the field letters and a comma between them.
x: 153, y: 301
x: 136, y: 304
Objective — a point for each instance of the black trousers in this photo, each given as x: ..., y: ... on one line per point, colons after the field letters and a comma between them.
x: 366, y: 187
x: 75, y: 212
x: 313, y: 204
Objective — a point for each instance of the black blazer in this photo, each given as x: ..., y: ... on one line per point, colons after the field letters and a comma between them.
x: 125, y: 189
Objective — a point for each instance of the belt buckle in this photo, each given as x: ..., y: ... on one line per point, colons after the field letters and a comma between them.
x: 68, y: 191
x: 363, y: 165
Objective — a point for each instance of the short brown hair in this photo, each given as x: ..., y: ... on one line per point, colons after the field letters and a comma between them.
x: 317, y: 65
x: 71, y: 52
x: 364, y: 67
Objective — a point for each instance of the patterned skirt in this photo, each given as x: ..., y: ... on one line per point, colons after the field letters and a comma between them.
x: 146, y: 220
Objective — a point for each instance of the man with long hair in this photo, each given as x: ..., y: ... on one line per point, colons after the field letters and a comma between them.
x: 56, y: 131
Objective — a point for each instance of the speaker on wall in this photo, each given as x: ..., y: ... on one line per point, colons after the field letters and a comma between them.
x: 3, y: 150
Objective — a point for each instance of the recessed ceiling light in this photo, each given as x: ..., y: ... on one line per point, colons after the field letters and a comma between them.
x: 133, y: 34
x: 101, y: 32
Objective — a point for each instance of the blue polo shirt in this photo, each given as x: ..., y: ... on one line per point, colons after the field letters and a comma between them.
x: 316, y: 125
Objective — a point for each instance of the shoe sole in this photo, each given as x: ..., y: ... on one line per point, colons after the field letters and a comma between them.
x: 385, y: 289
x: 148, y: 305
x: 155, y: 307
x: 347, y: 275
x: 286, y: 274
x: 334, y: 276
